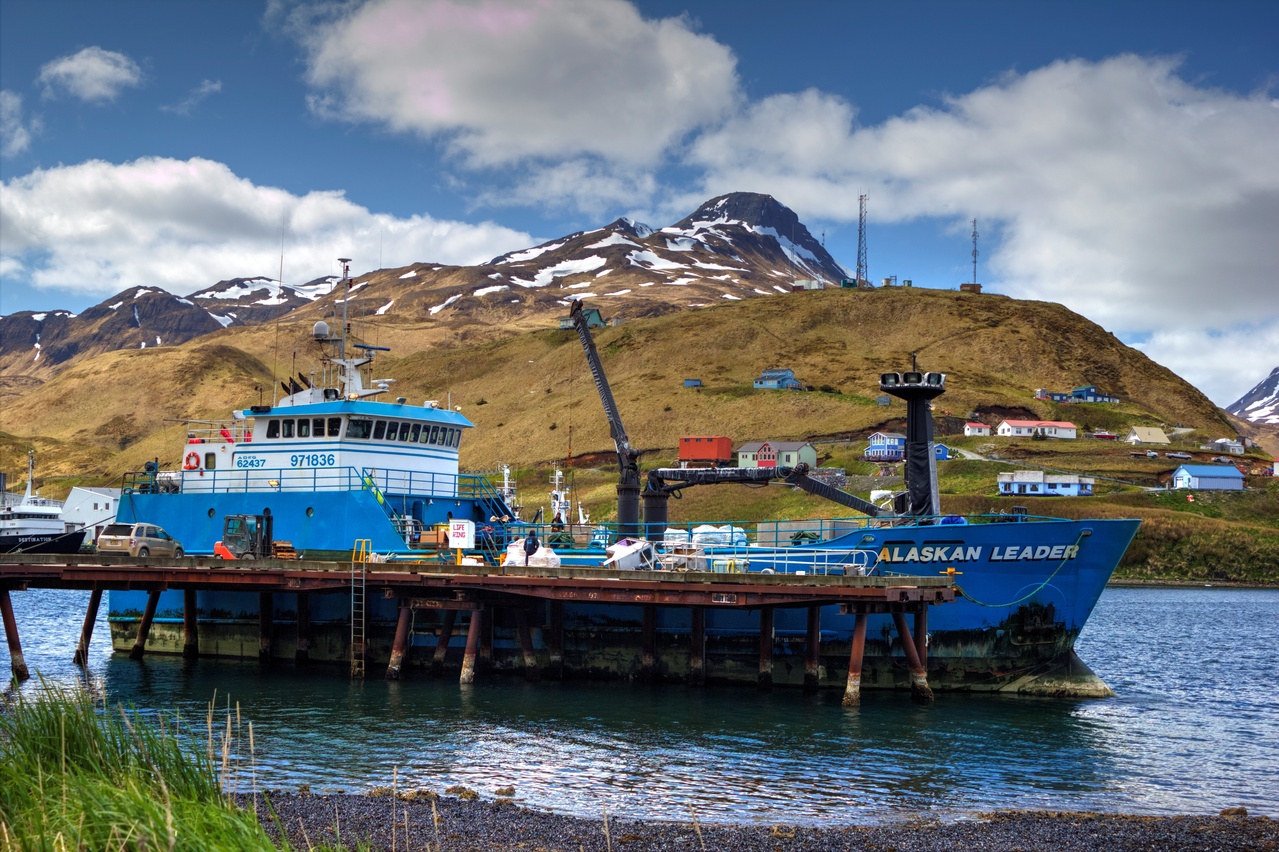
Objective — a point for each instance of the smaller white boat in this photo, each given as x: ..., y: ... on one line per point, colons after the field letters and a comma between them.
x: 35, y: 525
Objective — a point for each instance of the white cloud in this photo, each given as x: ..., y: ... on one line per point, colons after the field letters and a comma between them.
x: 15, y: 134
x: 92, y: 74
x: 1226, y: 363
x: 194, y: 97
x: 99, y: 228
x: 1138, y: 199
x: 505, y: 80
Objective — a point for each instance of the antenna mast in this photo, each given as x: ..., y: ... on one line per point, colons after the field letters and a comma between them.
x: 974, y: 251
x: 863, y: 272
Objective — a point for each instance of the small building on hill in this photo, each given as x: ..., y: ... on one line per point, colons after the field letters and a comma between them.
x: 942, y: 452
x: 779, y: 379
x: 705, y: 450
x: 1037, y: 483
x: 1030, y: 428
x: 1226, y: 445
x: 1146, y: 435
x: 593, y: 319
x: 776, y: 454
x: 975, y: 429
x: 692, y: 383
x: 1208, y: 477
x: 886, y: 446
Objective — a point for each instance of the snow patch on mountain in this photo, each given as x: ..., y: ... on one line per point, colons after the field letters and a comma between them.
x: 1261, y: 404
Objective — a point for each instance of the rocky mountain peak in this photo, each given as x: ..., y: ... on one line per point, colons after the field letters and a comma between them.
x: 1261, y: 404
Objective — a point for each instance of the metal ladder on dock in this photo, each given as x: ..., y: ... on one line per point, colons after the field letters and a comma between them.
x: 359, y: 562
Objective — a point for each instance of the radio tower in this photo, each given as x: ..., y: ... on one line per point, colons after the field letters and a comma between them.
x: 863, y: 272
x: 974, y: 251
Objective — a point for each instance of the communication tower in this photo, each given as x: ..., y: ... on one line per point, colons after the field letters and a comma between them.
x: 974, y: 251
x: 863, y: 273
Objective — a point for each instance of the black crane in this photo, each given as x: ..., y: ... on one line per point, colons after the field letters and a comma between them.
x: 628, y: 481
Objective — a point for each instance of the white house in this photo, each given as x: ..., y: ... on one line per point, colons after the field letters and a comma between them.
x: 1146, y: 435
x: 1228, y: 445
x: 1036, y: 483
x: 92, y: 508
x: 1208, y: 477
x: 1030, y: 428
x: 976, y: 429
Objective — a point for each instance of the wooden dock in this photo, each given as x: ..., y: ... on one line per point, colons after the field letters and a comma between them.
x: 434, y: 585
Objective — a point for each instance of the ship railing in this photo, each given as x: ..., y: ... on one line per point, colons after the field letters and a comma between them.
x: 389, y: 482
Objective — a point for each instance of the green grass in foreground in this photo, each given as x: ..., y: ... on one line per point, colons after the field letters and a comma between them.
x: 76, y: 775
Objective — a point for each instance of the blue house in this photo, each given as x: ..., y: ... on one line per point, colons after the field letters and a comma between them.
x: 1208, y: 477
x: 778, y: 380
x: 942, y: 451
x: 692, y: 383
x: 886, y: 446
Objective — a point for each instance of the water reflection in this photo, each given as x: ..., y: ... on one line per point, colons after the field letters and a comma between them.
x: 1183, y: 715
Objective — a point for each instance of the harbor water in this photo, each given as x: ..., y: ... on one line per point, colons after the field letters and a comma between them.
x: 1191, y: 730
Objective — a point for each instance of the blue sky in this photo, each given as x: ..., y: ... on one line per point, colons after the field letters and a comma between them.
x: 1120, y: 158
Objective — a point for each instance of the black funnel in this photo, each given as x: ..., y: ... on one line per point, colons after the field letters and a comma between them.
x: 921, y: 457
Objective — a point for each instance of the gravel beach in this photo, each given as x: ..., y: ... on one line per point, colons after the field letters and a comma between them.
x: 453, y: 824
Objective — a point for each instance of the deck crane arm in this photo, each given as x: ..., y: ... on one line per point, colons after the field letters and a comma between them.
x: 670, y: 480
x: 628, y: 483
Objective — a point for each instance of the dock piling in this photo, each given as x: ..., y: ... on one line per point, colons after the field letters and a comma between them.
x: 697, y: 651
x: 555, y: 641
x: 86, y: 632
x: 484, y: 657
x: 919, y: 688
x: 266, y: 622
x: 442, y: 643
x: 531, y: 671
x: 921, y: 636
x: 144, y: 626
x: 400, y: 644
x: 16, y: 660
x: 765, y: 680
x: 190, y: 626
x: 648, y: 642
x: 472, y: 645
x: 813, y: 649
x: 853, y: 689
x: 302, y: 655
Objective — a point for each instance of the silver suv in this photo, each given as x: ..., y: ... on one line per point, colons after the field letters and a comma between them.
x: 138, y: 540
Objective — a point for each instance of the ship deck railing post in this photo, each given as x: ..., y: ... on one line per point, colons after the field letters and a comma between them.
x: 919, y: 688
x: 81, y: 657
x: 16, y: 661
x: 144, y: 626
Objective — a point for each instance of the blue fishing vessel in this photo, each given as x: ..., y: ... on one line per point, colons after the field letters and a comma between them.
x: 332, y: 467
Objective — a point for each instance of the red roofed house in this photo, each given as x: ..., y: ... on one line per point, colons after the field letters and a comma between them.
x: 1029, y: 428
x: 971, y: 429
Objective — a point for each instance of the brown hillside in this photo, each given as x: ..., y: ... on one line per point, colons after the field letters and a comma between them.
x: 533, y: 399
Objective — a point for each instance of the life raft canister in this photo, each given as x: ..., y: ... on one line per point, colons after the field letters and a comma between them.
x: 192, y: 461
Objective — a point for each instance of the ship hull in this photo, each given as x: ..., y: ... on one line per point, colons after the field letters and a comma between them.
x: 62, y: 543
x: 1028, y: 589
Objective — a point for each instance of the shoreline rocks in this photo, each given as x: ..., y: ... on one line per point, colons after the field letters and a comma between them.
x: 421, y: 820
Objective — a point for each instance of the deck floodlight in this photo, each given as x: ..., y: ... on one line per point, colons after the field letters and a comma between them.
x: 890, y: 380
x: 913, y: 378
x: 935, y: 380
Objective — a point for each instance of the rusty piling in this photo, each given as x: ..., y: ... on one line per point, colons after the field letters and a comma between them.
x: 472, y: 646
x: 813, y: 649
x: 442, y: 643
x: 919, y: 688
x: 16, y: 660
x: 399, y: 645
x: 765, y: 679
x: 144, y: 627
x: 853, y: 689
x: 531, y: 671
x: 81, y: 657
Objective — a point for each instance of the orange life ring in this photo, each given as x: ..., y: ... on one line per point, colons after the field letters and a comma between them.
x: 192, y: 461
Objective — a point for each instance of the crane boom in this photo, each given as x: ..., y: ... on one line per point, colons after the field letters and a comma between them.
x: 670, y: 479
x: 628, y: 482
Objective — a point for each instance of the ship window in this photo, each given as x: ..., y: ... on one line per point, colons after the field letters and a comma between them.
x: 273, y: 428
x: 359, y: 428
x: 210, y: 461
x: 404, y: 431
x: 379, y: 430
x: 317, y: 427
x: 417, y: 430
x: 435, y: 434
x: 457, y: 438
x: 286, y: 428
x: 392, y: 430
x: 335, y: 427
x: 304, y: 428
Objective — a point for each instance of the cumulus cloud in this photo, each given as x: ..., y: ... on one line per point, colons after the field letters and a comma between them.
x: 15, y: 132
x: 92, y: 74
x: 1224, y: 363
x: 506, y: 80
x: 194, y: 97
x: 99, y: 228
x: 1132, y: 196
